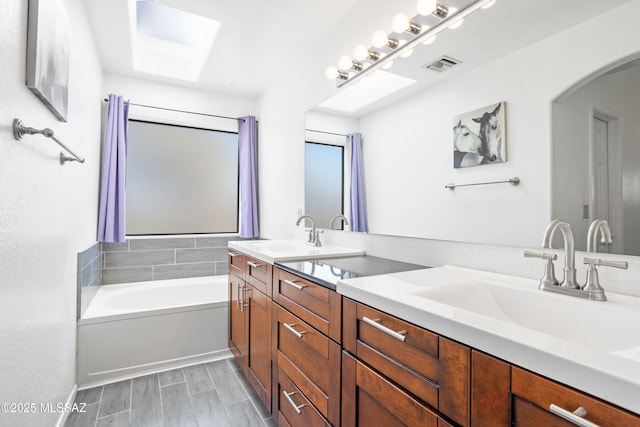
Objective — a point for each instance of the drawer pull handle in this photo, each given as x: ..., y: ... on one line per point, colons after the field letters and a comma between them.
x: 293, y: 331
x: 294, y: 284
x: 575, y: 417
x: 239, y: 298
x: 400, y: 335
x: 232, y: 254
x: 296, y: 407
x: 253, y: 264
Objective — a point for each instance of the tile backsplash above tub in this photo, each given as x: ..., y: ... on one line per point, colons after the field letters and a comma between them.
x: 138, y: 260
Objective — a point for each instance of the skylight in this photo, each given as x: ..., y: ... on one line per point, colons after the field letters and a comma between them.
x: 170, y: 42
x: 367, y: 91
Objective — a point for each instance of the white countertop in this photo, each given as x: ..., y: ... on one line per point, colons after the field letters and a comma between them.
x: 592, y: 346
x: 288, y: 250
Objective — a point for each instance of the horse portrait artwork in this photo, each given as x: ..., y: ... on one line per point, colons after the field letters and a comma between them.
x: 479, y: 137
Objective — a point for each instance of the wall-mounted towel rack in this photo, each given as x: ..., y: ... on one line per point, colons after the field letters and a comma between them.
x: 513, y: 181
x: 19, y: 130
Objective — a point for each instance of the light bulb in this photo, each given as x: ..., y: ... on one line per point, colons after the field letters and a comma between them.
x: 379, y: 39
x: 331, y: 72
x: 456, y: 24
x: 345, y: 63
x: 488, y: 5
x: 361, y: 52
x: 427, y: 7
x: 400, y: 23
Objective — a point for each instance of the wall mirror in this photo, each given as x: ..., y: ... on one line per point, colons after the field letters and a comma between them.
x: 407, y: 135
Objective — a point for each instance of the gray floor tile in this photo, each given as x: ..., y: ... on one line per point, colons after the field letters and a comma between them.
x: 177, y: 406
x: 90, y: 395
x: 197, y: 378
x: 227, y: 385
x: 243, y: 414
x: 270, y: 422
x: 233, y: 363
x: 146, y: 404
x: 116, y: 420
x: 173, y: 376
x: 116, y: 398
x: 208, y: 409
x: 83, y: 419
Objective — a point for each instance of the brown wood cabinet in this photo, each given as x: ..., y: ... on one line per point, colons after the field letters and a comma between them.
x: 250, y: 322
x: 533, y: 396
x: 306, y: 324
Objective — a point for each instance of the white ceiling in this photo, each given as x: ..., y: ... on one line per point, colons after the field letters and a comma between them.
x: 257, y: 37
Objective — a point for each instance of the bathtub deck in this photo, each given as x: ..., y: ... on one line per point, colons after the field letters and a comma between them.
x: 211, y: 393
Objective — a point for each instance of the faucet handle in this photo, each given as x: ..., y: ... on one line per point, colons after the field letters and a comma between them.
x: 316, y: 239
x: 549, y: 278
x: 592, y: 287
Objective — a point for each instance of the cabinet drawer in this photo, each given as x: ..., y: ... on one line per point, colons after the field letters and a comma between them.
x: 235, y: 262
x: 258, y: 273
x: 434, y: 369
x: 319, y: 306
x: 369, y: 399
x: 543, y: 392
x: 310, y: 360
x: 293, y: 408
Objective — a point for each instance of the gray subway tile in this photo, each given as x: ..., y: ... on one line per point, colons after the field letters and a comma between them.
x: 111, y: 276
x: 116, y: 397
x: 243, y: 414
x: 87, y: 256
x: 208, y: 409
x: 214, y: 242
x: 146, y: 405
x: 115, y: 247
x: 83, y: 419
x: 96, y: 265
x: 168, y: 243
x: 162, y: 272
x: 197, y: 378
x: 116, y: 420
x: 200, y: 255
x: 139, y: 258
x: 227, y: 385
x: 86, y: 275
x: 171, y: 377
x: 222, y: 268
x: 177, y: 406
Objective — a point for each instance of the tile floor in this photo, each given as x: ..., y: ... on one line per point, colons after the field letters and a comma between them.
x: 209, y: 394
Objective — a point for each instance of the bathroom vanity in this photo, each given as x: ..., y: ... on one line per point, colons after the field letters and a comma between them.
x: 322, y: 345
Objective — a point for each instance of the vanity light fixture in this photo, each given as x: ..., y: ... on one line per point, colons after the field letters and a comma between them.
x: 351, y: 70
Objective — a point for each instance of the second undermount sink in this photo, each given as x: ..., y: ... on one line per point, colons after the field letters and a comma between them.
x: 609, y: 326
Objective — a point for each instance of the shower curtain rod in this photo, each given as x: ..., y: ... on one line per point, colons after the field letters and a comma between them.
x: 180, y: 111
x: 328, y: 133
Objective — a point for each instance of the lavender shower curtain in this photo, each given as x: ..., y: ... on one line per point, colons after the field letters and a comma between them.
x: 111, y: 210
x: 358, y: 207
x: 248, y: 157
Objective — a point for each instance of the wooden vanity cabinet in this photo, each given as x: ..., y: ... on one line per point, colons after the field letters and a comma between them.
x: 306, y: 350
x: 533, y: 395
x: 250, y: 321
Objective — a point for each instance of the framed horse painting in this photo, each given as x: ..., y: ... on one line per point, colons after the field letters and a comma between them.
x: 479, y: 136
x: 48, y: 46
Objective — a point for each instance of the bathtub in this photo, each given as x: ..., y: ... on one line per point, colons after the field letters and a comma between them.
x: 134, y: 329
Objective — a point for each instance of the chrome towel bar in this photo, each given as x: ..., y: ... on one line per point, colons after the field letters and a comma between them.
x: 513, y: 181
x: 19, y: 130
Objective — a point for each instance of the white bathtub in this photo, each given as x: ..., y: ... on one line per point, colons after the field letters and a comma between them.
x: 138, y: 328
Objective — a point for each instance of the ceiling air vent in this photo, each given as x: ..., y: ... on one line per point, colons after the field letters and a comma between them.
x: 442, y: 64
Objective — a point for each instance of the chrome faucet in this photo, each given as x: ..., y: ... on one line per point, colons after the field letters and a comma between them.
x: 602, y: 226
x: 314, y: 235
x: 342, y: 217
x: 569, y: 251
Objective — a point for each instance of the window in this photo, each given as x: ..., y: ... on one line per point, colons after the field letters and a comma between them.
x: 324, y: 182
x: 180, y: 180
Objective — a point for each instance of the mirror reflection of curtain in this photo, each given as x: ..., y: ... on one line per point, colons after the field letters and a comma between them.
x: 248, y: 169
x: 111, y: 227
x: 358, y: 205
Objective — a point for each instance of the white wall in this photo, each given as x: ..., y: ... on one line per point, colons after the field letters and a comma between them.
x: 48, y: 213
x: 529, y: 80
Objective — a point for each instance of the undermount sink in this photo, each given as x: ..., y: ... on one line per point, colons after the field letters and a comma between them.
x: 609, y: 327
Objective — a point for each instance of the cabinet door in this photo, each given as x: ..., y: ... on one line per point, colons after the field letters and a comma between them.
x: 534, y: 395
x: 238, y: 338
x: 369, y: 399
x: 490, y: 391
x: 259, y: 355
